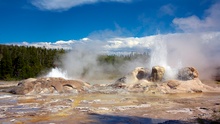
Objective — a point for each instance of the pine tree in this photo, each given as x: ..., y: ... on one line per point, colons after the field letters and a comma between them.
x: 6, y: 64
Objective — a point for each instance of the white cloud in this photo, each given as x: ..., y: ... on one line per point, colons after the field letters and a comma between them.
x: 167, y: 9
x: 107, y: 33
x: 210, y: 22
x: 130, y: 42
x: 57, y: 45
x: 25, y: 43
x: 65, y: 42
x: 111, y: 44
x: 62, y: 5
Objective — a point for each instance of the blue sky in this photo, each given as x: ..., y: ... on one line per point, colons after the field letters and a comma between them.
x: 53, y: 20
x: 177, y: 32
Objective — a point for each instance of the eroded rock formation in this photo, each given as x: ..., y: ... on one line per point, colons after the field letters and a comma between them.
x: 49, y: 85
x: 138, y: 76
x: 183, y: 86
x: 187, y: 81
x: 157, y: 73
x: 188, y: 73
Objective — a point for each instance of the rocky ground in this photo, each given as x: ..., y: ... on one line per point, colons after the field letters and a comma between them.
x: 141, y: 96
x: 110, y: 107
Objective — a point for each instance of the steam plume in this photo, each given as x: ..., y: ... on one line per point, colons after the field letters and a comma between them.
x: 173, y: 51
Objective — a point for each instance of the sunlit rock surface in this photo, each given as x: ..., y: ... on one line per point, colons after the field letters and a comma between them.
x: 49, y: 85
x: 157, y: 73
x: 179, y: 86
x: 133, y: 77
x: 186, y: 81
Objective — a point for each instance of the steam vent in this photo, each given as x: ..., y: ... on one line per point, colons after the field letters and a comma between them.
x: 139, y: 80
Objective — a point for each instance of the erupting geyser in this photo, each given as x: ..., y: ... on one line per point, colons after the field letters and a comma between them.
x: 159, y: 56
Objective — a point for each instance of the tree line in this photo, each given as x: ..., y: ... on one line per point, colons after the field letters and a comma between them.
x: 21, y: 62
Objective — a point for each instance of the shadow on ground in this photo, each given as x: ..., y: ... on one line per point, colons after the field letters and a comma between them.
x: 207, y: 121
x: 114, y: 119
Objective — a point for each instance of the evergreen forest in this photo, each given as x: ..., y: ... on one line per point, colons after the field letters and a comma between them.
x: 21, y: 62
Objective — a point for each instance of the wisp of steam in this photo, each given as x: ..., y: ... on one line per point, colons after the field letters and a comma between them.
x: 172, y: 51
x: 57, y: 72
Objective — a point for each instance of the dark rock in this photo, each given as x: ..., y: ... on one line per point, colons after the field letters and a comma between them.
x: 157, y: 73
x: 217, y: 74
x: 188, y: 73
